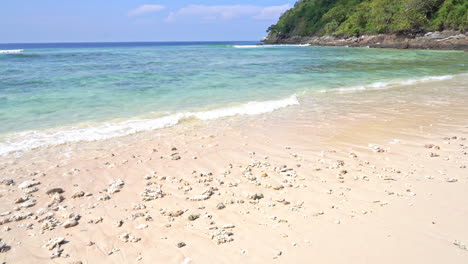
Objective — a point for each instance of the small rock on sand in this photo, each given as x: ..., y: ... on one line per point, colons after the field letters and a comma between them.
x: 256, y: 196
x: 54, y: 191
x: 176, y: 213
x: 78, y: 194
x: 54, y: 242
x: 27, y: 184
x: 181, y: 244
x: 7, y: 182
x: 115, y: 186
x: 152, y: 194
x: 70, y: 223
x: 193, y: 217
x: 3, y: 246
x: 142, y: 226
x: 127, y: 237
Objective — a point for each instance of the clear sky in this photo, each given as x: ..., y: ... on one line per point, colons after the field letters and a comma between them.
x: 136, y: 20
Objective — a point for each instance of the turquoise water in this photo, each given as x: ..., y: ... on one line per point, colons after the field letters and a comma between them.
x: 48, y: 90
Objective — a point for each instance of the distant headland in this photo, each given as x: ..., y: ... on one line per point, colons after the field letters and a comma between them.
x: 420, y: 24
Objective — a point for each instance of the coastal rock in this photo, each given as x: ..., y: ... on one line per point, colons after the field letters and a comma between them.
x: 442, y: 40
x: 22, y: 199
x: 5, y: 213
x: 27, y: 184
x: 54, y: 191
x: 78, y: 195
x: 27, y: 204
x: 376, y: 148
x: 199, y: 197
x: 127, y: 237
x: 193, y: 217
x: 31, y: 190
x: 97, y: 220
x: 222, y: 236
x: 16, y: 217
x: 278, y: 187
x: 57, y: 253
x: 176, y: 213
x: 7, y: 182
x: 142, y: 226
x: 152, y: 194
x: 70, y: 223
x: 460, y: 245
x: 56, y: 199
x: 175, y: 156
x: 115, y: 186
x: 54, y: 243
x: 256, y: 196
x: 49, y: 223
x: 104, y: 197
x: 3, y: 246
x: 181, y: 244
x: 139, y: 207
x: 204, y: 196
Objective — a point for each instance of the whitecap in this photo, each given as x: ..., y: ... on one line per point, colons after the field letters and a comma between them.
x: 11, y: 51
x: 269, y: 46
x: 386, y: 85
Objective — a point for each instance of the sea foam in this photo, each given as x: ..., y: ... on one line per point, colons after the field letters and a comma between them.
x: 387, y: 85
x: 28, y: 140
x: 11, y: 51
x: 269, y: 46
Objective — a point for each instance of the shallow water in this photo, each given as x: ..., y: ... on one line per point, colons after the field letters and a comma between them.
x: 52, y: 93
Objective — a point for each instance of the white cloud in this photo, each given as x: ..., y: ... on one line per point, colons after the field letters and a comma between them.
x: 272, y: 12
x: 226, y: 12
x: 145, y: 9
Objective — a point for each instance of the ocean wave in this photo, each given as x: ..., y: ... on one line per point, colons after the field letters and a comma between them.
x: 29, y: 140
x: 11, y: 51
x: 269, y: 46
x: 387, y: 85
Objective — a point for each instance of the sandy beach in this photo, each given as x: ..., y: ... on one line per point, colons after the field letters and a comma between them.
x: 345, y: 177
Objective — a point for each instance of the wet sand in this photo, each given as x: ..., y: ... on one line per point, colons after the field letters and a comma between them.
x: 354, y: 177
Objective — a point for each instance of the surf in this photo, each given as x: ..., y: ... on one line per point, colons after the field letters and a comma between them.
x: 269, y: 46
x: 17, y: 51
x: 389, y: 84
x: 28, y: 140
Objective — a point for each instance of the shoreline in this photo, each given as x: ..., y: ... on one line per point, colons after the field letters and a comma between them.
x: 445, y: 40
x: 368, y: 177
x: 76, y: 133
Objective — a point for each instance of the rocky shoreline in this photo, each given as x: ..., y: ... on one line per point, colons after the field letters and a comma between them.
x: 445, y: 40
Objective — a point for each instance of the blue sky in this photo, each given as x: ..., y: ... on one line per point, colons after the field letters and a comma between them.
x: 136, y: 20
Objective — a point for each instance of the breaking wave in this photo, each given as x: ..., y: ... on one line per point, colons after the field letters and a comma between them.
x: 269, y: 46
x: 24, y: 141
x: 11, y: 51
x: 390, y: 84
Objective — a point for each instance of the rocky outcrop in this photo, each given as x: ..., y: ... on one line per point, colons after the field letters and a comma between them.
x: 445, y: 40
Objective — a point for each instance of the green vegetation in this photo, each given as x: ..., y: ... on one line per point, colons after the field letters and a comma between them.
x: 358, y: 17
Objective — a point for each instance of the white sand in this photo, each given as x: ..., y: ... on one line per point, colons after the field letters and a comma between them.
x: 341, y: 202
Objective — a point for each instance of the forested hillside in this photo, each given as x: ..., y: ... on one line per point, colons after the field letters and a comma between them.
x: 359, y: 17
